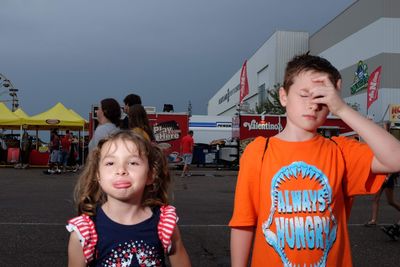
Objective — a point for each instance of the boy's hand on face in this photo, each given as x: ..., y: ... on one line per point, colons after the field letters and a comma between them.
x: 325, y: 93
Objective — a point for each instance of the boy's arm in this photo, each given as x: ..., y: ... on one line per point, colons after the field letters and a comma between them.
x: 241, y: 240
x: 178, y: 256
x: 75, y: 252
x: 385, y: 147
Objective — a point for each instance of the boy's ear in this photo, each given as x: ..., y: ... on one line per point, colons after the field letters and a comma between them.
x: 282, y: 96
x: 339, y: 84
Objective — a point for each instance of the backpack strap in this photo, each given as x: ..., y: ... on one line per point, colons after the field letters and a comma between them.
x: 261, y: 163
x: 166, y: 226
x: 265, y: 149
x: 86, y: 231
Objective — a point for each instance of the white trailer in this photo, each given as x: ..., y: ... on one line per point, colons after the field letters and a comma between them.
x: 210, y: 128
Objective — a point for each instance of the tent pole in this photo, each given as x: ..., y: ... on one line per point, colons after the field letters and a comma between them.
x: 37, y: 139
x: 83, y: 145
x: 20, y: 145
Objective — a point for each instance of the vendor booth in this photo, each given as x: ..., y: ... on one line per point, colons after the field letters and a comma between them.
x: 57, y: 117
x: 9, y: 121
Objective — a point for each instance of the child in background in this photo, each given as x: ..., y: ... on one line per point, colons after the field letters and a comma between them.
x: 122, y: 199
x: 294, y: 190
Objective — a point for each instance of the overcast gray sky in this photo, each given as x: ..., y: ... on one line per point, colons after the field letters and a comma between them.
x: 168, y: 51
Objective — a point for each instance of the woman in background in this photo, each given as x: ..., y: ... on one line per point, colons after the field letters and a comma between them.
x: 139, y: 122
x: 108, y: 116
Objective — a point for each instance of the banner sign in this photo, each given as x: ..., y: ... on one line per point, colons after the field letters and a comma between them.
x: 244, y: 84
x: 360, y: 78
x: 394, y: 113
x: 373, y: 86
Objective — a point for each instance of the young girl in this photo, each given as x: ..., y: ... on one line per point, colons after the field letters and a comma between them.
x: 122, y: 198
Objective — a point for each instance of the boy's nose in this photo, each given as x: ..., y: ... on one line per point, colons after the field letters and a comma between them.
x: 314, y: 107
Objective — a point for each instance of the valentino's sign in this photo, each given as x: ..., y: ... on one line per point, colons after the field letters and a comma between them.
x: 254, y: 125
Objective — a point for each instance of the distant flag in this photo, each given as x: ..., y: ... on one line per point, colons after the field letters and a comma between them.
x: 244, y: 84
x: 373, y: 86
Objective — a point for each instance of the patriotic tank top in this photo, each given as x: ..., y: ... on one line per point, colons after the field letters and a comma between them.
x: 128, y: 245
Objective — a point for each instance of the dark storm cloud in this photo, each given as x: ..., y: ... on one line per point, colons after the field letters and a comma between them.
x: 170, y: 51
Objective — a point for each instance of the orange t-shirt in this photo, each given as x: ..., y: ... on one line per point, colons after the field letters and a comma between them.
x: 300, y: 203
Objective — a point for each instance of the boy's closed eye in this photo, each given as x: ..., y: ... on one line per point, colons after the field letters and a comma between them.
x: 304, y: 93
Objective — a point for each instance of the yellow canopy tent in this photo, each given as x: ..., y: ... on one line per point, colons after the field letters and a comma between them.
x: 20, y: 113
x: 57, y: 116
x: 8, y: 120
x: 77, y: 115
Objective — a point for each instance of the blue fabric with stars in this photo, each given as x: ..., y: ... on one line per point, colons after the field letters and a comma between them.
x: 128, y: 245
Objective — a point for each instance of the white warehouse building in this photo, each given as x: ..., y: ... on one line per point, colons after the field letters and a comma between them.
x: 364, y: 36
x: 264, y: 69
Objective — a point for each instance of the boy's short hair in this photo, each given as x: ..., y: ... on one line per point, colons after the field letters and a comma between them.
x: 132, y: 99
x: 306, y: 62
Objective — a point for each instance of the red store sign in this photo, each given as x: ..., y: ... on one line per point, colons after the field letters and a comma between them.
x: 252, y: 126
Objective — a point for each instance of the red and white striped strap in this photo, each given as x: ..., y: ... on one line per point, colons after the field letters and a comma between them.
x: 166, y: 226
x: 86, y: 231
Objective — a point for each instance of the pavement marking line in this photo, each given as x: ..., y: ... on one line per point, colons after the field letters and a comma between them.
x: 21, y: 223
x: 363, y: 225
x: 180, y: 225
x: 202, y: 225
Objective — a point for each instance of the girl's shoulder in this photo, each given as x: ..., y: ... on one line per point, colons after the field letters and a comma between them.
x: 85, y: 228
x: 166, y: 226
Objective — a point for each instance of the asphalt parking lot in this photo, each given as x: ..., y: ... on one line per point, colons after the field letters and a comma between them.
x: 34, y: 208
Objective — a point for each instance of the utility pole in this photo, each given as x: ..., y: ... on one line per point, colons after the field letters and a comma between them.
x: 190, y: 109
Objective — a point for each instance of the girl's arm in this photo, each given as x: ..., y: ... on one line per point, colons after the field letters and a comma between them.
x: 75, y: 252
x: 178, y: 256
x: 241, y: 240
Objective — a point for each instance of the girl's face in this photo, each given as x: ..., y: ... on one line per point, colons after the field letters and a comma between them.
x: 123, y: 173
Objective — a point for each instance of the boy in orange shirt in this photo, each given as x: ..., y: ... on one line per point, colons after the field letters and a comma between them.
x: 294, y: 190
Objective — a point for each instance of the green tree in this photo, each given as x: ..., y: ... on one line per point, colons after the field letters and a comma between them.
x: 271, y: 104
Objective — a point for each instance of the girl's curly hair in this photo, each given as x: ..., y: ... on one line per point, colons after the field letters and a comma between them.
x: 88, y: 193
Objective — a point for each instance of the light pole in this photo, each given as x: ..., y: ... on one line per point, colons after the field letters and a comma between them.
x: 6, y: 83
x: 13, y: 94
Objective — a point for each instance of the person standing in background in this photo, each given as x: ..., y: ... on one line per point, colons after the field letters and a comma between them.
x: 3, y: 151
x: 108, y: 115
x: 129, y: 101
x: 66, y: 141
x: 25, y: 150
x: 73, y: 159
x: 54, y: 153
x: 187, y: 144
x: 139, y: 122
